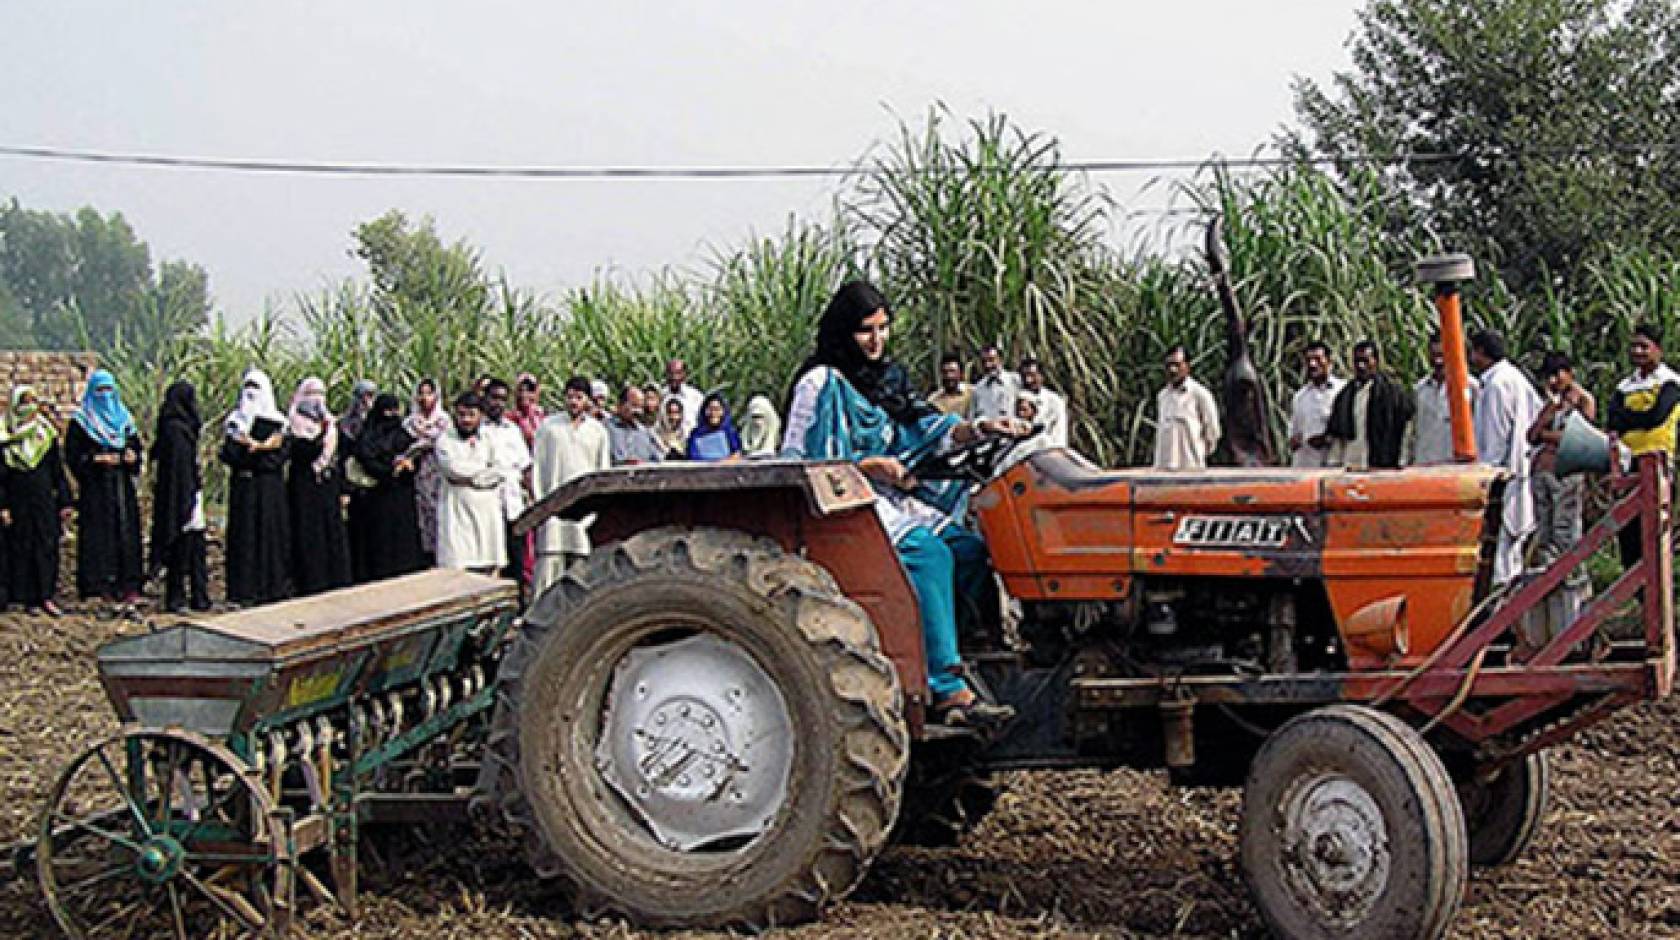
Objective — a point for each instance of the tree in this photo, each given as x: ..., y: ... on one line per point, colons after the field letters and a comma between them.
x: 16, y: 332
x: 1545, y: 127
x: 426, y: 295
x: 87, y: 280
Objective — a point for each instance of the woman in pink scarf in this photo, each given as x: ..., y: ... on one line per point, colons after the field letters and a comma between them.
x: 426, y: 423
x: 528, y: 414
x: 527, y: 407
x: 320, y: 544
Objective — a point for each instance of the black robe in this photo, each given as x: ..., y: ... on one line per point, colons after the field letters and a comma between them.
x: 34, y: 497
x: 391, y: 543
x: 176, y: 480
x: 108, y: 559
x: 320, y: 547
x: 258, y: 535
x: 1388, y: 409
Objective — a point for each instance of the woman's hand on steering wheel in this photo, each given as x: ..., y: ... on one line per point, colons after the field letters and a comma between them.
x: 888, y: 470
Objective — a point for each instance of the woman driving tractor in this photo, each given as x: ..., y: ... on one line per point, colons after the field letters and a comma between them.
x: 850, y: 402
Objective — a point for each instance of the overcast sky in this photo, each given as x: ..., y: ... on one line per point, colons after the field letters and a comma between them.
x: 587, y: 84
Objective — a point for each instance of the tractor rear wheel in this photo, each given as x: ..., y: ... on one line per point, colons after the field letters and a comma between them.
x: 1350, y: 828
x: 1503, y: 814
x: 698, y: 730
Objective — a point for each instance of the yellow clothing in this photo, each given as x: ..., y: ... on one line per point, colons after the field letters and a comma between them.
x: 1645, y: 409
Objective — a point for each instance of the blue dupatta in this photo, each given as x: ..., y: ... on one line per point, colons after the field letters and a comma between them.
x: 849, y: 427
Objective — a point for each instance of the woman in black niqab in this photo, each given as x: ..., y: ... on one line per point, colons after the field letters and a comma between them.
x: 385, y: 451
x: 177, y: 501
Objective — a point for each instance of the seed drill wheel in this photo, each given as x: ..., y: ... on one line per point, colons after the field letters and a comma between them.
x: 163, y: 834
x: 1351, y: 829
x: 700, y: 731
x: 1503, y: 814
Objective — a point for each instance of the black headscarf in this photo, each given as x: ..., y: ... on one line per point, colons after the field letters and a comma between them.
x: 882, y: 381
x: 383, y: 437
x: 175, y: 475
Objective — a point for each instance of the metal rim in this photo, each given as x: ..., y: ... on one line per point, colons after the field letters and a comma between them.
x: 1334, y: 847
x: 696, y: 741
x: 160, y: 834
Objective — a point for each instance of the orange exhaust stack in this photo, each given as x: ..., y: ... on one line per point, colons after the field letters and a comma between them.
x: 1446, y: 272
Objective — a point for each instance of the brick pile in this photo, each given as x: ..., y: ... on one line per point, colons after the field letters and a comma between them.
x: 57, y: 377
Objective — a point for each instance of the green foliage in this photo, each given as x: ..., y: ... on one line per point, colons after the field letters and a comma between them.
x: 86, y: 281
x: 1566, y: 111
x: 984, y: 238
x: 978, y: 235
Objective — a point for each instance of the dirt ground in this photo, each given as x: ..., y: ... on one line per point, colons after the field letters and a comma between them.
x: 1066, y: 853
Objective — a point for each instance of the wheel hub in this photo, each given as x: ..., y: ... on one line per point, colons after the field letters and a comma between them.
x: 697, y: 741
x: 159, y: 859
x: 1336, y: 855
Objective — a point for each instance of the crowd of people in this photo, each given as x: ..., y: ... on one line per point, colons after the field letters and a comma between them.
x: 318, y: 501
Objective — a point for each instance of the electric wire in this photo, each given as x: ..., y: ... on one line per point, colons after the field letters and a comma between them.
x: 745, y: 172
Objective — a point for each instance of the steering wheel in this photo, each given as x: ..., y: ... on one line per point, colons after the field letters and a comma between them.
x: 974, y: 461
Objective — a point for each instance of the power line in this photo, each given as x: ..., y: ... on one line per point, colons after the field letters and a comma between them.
x: 482, y: 171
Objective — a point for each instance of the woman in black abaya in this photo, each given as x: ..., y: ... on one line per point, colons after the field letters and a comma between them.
x: 386, y: 451
x: 34, y: 502
x: 102, y: 447
x: 258, y: 535
x: 178, y: 502
x: 320, y: 546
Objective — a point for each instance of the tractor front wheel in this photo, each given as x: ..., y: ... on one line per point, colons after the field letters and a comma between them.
x: 1351, y: 829
x: 698, y: 730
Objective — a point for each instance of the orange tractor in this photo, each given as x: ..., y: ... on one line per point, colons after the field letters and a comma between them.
x: 721, y: 716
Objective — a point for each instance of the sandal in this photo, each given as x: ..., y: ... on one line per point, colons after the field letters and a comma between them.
x: 966, y: 710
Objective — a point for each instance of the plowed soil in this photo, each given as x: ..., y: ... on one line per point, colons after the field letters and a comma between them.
x: 1115, y: 854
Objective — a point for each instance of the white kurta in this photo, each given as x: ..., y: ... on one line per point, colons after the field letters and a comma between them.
x: 1186, y: 426
x: 565, y: 450
x: 512, y: 457
x: 1053, y: 416
x: 471, y: 531
x: 691, y: 398
x: 1309, y: 415
x: 994, y: 395
x: 1505, y: 409
x: 1432, y: 428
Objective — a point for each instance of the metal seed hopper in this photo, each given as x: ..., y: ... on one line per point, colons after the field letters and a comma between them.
x: 255, y: 743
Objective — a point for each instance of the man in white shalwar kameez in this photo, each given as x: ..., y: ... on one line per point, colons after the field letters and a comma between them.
x: 470, y: 527
x: 568, y: 445
x: 513, y: 458
x: 1506, y: 407
x: 1186, y: 418
x: 1309, y: 410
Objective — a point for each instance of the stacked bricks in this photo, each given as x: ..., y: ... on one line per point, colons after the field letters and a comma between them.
x: 57, y: 377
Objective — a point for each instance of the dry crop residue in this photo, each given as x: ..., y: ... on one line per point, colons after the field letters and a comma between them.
x: 1067, y: 853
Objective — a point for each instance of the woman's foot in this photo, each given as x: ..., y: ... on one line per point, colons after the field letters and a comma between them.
x: 51, y: 609
x: 964, y: 709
